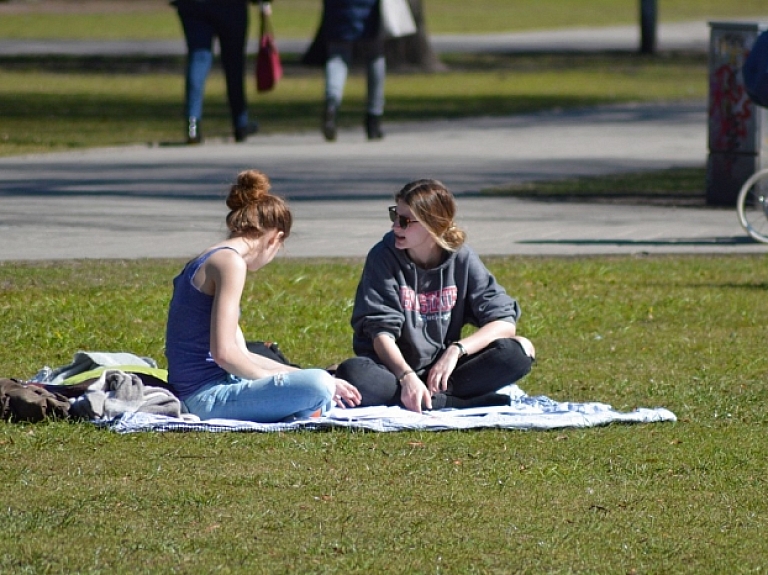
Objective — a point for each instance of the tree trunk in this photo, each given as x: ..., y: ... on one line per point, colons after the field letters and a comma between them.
x: 409, y: 52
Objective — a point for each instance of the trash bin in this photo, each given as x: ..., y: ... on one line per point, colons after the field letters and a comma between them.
x: 737, y: 127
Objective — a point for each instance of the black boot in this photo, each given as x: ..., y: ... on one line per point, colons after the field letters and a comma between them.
x: 242, y: 132
x: 329, y: 122
x: 373, y: 127
x: 194, y: 135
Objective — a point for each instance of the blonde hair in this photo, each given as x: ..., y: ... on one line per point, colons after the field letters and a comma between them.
x: 253, y: 210
x: 435, y: 207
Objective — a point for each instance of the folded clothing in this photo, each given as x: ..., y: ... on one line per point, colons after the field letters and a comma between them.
x: 116, y: 392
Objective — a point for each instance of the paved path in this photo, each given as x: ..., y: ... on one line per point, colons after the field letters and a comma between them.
x: 167, y: 201
x: 141, y: 201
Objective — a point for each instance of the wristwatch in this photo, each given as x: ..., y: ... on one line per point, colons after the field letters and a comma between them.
x: 462, y: 349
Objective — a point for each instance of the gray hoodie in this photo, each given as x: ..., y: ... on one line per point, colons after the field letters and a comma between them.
x: 424, y: 310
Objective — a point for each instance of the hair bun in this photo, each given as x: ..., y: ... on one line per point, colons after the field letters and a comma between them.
x: 251, y: 186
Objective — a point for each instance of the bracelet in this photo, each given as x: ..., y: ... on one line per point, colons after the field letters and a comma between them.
x: 402, y: 375
x: 462, y: 349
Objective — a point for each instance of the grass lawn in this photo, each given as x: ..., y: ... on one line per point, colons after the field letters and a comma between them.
x: 683, y: 332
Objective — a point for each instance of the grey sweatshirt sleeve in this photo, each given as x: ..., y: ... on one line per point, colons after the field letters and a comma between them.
x: 488, y: 301
x: 377, y: 306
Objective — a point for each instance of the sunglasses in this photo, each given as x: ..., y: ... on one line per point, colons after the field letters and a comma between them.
x: 402, y: 221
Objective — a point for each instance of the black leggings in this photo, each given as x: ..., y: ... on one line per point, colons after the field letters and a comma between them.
x: 473, y: 383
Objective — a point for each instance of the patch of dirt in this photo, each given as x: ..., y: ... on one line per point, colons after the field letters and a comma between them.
x: 80, y: 6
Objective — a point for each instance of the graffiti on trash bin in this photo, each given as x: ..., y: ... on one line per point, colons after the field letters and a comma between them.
x: 730, y: 109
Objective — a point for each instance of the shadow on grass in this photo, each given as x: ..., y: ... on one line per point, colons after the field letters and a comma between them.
x: 51, y: 122
x: 129, y: 108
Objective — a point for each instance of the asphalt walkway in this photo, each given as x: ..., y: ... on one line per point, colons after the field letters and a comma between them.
x: 167, y: 201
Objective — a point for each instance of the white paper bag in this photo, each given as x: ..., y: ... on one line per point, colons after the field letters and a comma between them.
x: 396, y: 18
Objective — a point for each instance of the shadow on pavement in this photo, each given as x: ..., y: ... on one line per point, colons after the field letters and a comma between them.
x: 730, y: 241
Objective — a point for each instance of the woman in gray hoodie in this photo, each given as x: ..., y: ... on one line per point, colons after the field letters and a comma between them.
x: 420, y: 286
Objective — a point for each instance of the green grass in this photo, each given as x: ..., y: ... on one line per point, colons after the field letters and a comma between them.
x: 46, y: 110
x: 453, y: 16
x: 684, y: 332
x: 300, y: 18
x: 672, y: 186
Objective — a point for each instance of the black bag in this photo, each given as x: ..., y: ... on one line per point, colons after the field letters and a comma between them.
x: 269, y: 349
x: 755, y: 71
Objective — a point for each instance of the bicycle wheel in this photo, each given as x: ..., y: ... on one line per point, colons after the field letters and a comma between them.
x: 752, y: 206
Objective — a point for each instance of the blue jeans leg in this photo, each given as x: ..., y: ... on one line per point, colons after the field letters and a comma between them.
x: 336, y: 71
x: 199, y: 35
x: 267, y: 400
x: 198, y: 66
x: 377, y: 71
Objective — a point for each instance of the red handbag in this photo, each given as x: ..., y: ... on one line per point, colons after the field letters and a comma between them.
x: 269, y: 69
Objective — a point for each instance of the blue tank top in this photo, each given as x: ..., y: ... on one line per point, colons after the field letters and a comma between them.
x: 188, y: 334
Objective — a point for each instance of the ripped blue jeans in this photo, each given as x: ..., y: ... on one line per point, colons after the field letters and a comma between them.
x: 281, y: 397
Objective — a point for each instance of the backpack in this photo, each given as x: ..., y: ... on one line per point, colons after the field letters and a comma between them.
x: 755, y: 71
x: 269, y: 349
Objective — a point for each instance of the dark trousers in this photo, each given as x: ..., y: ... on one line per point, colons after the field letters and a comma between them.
x: 473, y: 383
x: 202, y: 21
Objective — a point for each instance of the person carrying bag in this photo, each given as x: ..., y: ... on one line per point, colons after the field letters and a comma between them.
x: 269, y: 68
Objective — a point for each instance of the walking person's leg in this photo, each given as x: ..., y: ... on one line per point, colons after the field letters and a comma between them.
x: 232, y: 19
x: 376, y: 76
x: 336, y: 72
x: 198, y: 34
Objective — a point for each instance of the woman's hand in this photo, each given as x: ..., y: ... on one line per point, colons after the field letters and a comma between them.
x: 437, y: 380
x: 414, y: 393
x: 346, y: 394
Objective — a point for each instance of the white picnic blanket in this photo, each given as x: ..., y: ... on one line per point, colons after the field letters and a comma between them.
x: 524, y: 413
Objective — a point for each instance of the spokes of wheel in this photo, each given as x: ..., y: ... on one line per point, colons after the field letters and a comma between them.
x: 752, y: 206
